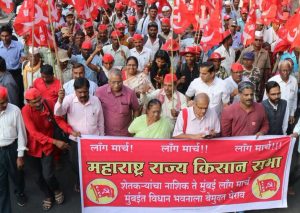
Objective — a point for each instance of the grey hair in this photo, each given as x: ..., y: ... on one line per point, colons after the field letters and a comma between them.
x: 245, y: 85
x: 116, y: 72
x: 285, y: 62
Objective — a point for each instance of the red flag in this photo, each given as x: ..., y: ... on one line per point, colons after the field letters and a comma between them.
x: 293, y: 30
x: 7, y: 6
x: 31, y: 12
x: 102, y: 191
x: 266, y: 185
x: 212, y: 34
x: 129, y: 3
x: 42, y: 37
x: 86, y: 9
x: 101, y: 3
x: 249, y: 29
x: 180, y: 21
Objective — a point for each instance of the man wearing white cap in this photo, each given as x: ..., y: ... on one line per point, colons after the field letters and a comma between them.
x: 31, y: 67
x: 166, y: 12
x: 261, y: 60
x: 65, y: 65
x: 227, y: 10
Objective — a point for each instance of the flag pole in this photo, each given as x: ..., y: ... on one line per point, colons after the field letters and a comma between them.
x: 172, y: 55
x: 32, y: 42
x: 54, y: 44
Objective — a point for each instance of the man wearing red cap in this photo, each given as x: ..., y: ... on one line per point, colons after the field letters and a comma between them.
x: 166, y: 31
x: 13, y: 142
x: 102, y: 36
x: 107, y: 64
x: 242, y: 20
x: 118, y: 51
x: 232, y: 81
x: 226, y: 50
x: 132, y: 23
x: 220, y: 71
x: 119, y: 16
x: 172, y: 101
x: 90, y: 33
x: 123, y: 38
x: 143, y: 54
x: 187, y: 71
x: 39, y: 122
x: 86, y: 53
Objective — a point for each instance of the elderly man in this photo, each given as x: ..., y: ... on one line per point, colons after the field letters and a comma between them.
x: 40, y: 122
x: 171, y: 100
x: 74, y: 106
x: 213, y: 86
x: 65, y: 65
x: 198, y: 121
x: 47, y: 84
x: 86, y: 50
x: 119, y: 103
x: 276, y: 109
x: 13, y: 52
x: 78, y: 71
x: 232, y: 81
x: 13, y: 142
x: 8, y: 81
x: 288, y: 86
x: 261, y: 60
x: 245, y: 117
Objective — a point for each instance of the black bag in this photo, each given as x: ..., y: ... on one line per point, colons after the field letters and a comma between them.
x: 58, y: 133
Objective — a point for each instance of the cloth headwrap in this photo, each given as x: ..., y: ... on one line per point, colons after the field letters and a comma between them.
x: 3, y: 92
x: 86, y: 45
x: 32, y: 94
x: 168, y: 78
x: 107, y: 58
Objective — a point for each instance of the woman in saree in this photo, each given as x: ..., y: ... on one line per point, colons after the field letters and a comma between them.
x: 151, y: 124
x: 137, y: 81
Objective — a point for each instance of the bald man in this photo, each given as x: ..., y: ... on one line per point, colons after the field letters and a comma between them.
x: 198, y: 121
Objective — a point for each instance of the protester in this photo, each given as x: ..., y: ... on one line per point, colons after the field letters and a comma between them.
x: 78, y: 71
x: 197, y: 121
x: 143, y: 25
x: 65, y: 66
x: 120, y: 105
x: 151, y: 124
x: 13, y: 142
x: 74, y: 105
x: 217, y: 59
x: 159, y: 68
x: 245, y: 117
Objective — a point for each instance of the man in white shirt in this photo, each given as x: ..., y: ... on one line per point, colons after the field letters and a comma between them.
x: 142, y: 26
x: 198, y: 121
x: 152, y: 41
x: 119, y: 52
x: 270, y: 35
x: 288, y: 86
x: 232, y: 81
x: 78, y: 71
x: 13, y: 142
x: 226, y: 50
x: 143, y: 54
x: 213, y: 86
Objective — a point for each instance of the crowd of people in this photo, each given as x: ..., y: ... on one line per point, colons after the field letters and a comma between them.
x: 128, y: 74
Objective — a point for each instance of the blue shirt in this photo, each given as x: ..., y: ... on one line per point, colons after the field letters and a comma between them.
x: 89, y: 73
x: 237, y: 41
x: 12, y: 54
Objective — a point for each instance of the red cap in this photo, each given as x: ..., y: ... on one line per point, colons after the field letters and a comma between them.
x: 226, y: 17
x: 119, y: 6
x: 237, y: 67
x: 197, y: 49
x: 170, y: 45
x: 86, y: 45
x: 188, y: 50
x: 3, y: 92
x: 115, y: 33
x: 226, y: 34
x: 244, y: 10
x: 88, y: 24
x: 285, y: 16
x: 32, y: 94
x: 166, y: 21
x: 216, y: 55
x: 276, y: 21
x: 137, y: 37
x: 102, y: 27
x: 131, y: 19
x: 120, y: 25
x: 107, y: 58
x: 168, y: 78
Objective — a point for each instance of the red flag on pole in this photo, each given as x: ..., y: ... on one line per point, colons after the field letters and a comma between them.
x: 249, y: 29
x: 7, y: 6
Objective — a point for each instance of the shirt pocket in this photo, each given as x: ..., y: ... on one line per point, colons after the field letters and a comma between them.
x: 92, y: 117
x: 124, y: 108
x: 10, y: 131
x: 215, y: 98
